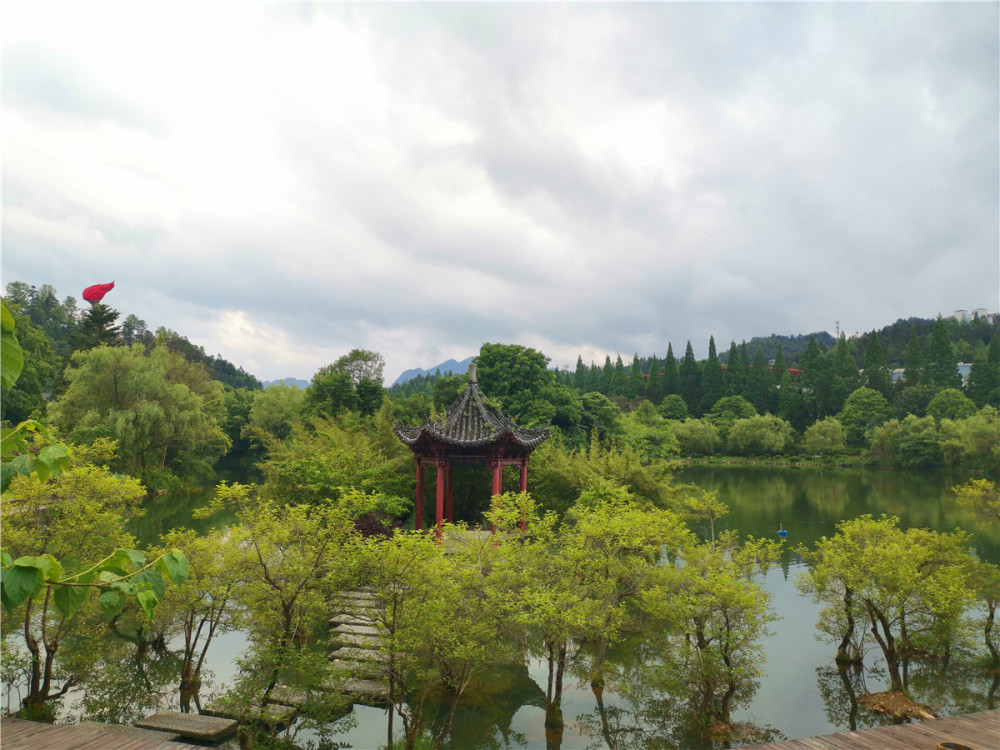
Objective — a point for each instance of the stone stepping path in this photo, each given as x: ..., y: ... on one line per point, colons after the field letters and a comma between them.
x: 191, y: 726
x: 359, y: 640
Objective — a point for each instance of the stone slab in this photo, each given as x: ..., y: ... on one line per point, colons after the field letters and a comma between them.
x: 360, y: 654
x: 359, y: 641
x: 358, y: 630
x: 128, y: 731
x: 193, y: 726
x: 347, y: 619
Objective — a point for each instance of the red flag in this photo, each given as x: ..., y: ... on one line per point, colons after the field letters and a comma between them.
x: 94, y: 294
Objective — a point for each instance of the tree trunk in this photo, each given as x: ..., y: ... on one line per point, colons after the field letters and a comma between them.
x: 888, y: 644
x: 843, y: 650
x: 988, y: 634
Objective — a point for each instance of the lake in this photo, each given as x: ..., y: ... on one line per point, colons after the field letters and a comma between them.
x: 802, y: 692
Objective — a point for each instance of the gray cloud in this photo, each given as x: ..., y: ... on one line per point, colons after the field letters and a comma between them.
x: 594, y: 179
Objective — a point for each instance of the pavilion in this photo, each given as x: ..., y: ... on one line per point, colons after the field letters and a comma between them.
x: 472, y: 434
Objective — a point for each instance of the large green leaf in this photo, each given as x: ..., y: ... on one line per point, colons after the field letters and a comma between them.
x: 154, y: 579
x: 69, y: 599
x: 148, y: 601
x: 19, y: 582
x: 11, y: 357
x: 111, y: 602
x: 175, y: 566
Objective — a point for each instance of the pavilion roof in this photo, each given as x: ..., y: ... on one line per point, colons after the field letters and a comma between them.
x: 471, y: 423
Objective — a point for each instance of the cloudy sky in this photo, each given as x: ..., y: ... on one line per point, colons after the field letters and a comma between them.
x: 283, y: 183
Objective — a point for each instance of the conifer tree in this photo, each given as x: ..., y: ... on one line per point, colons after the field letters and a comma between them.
x: 712, y: 384
x: 760, y: 384
x: 607, y: 376
x: 876, y: 375
x: 735, y: 374
x: 780, y: 365
x: 984, y: 377
x: 580, y: 375
x: 941, y: 365
x: 914, y: 361
x: 633, y: 385
x: 689, y: 376
x: 654, y: 384
x: 97, y: 327
x: 671, y: 384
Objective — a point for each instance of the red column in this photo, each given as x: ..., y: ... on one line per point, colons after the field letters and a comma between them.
x: 439, y: 511
x: 497, y: 486
x: 418, y: 510
x: 450, y: 498
x: 524, y: 488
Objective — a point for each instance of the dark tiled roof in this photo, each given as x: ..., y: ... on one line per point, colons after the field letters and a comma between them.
x: 470, y: 423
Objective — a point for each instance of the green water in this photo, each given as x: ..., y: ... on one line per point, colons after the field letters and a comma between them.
x: 802, y: 693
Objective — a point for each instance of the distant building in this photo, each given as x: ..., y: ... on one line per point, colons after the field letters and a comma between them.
x: 967, y: 316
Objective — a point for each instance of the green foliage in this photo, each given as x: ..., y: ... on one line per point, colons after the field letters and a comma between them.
x: 40, y: 306
x: 696, y: 437
x: 981, y: 497
x: 973, y: 442
x: 274, y: 410
x: 30, y: 348
x: 760, y: 436
x: 56, y: 538
x: 165, y: 412
x: 673, y: 407
x: 911, y: 586
x: 13, y: 360
x: 940, y: 362
x: 715, y: 616
x: 325, y: 459
x: 863, y: 410
x: 726, y: 411
x: 912, y: 443
x: 517, y: 377
x: 825, y: 437
x: 951, y: 403
x: 649, y: 434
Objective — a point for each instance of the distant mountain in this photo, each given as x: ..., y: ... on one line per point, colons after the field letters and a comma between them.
x: 451, y: 366
x: 300, y: 384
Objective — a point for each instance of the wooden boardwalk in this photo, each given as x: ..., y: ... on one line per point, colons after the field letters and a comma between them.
x: 979, y: 731
x: 16, y: 734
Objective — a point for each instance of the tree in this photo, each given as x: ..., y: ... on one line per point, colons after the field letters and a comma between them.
x: 914, y: 359
x: 912, y: 586
x: 760, y: 435
x: 689, y: 381
x: 863, y: 410
x: 941, y: 365
x: 982, y: 497
x: 290, y: 558
x: 514, y: 375
x: 760, y: 385
x: 876, y: 371
x: 735, y: 374
x: 22, y: 399
x: 97, y: 328
x: 165, y: 413
x: 42, y: 308
x: 56, y: 538
x: 825, y: 437
x: 713, y: 386
x: 951, y: 403
x: 716, y: 616
x: 673, y: 407
x: 727, y: 410
x: 984, y: 376
x: 274, y: 409
x: 696, y: 437
x: 202, y: 605
x: 331, y: 392
x: 671, y: 383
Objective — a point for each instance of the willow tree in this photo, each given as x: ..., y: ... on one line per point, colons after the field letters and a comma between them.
x: 911, y: 587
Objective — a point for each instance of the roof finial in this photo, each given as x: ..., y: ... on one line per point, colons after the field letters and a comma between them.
x: 472, y: 372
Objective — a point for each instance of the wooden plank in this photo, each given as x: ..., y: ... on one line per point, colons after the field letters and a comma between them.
x: 17, y: 734
x: 195, y: 726
x: 980, y: 731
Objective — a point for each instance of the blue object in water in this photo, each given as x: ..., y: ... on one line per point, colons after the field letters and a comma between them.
x: 781, y: 531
